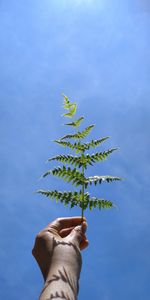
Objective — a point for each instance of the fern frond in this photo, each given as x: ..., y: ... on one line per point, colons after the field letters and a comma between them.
x: 68, y: 144
x: 78, y: 161
x: 76, y: 123
x: 99, y: 156
x: 100, y: 179
x: 68, y: 175
x: 88, y: 159
x: 100, y: 203
x: 78, y: 135
x: 67, y: 105
x: 84, y: 160
x: 95, y: 203
x: 64, y: 158
x: 81, y: 146
x: 72, y: 111
x: 76, y: 176
x: 75, y: 199
x: 72, y: 107
x: 66, y: 197
x: 70, y: 159
x: 66, y: 102
x: 94, y: 143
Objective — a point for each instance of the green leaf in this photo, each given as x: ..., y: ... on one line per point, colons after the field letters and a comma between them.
x: 72, y: 198
x: 79, y: 135
x: 93, y: 202
x: 79, y: 147
x: 94, y: 143
x: 75, y: 199
x: 67, y: 144
x: 74, y: 176
x: 70, y: 159
x: 101, y: 203
x: 72, y: 107
x: 72, y: 111
x: 100, y: 179
x: 83, y: 160
x: 99, y: 156
x: 66, y: 104
x: 76, y: 123
x: 78, y: 161
x: 67, y: 174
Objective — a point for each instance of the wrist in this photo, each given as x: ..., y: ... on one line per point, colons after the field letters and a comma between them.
x: 67, y: 255
x: 64, y: 272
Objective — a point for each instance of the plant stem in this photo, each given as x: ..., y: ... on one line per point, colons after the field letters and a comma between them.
x: 82, y: 212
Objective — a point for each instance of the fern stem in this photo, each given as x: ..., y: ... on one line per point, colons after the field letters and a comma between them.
x: 83, y: 187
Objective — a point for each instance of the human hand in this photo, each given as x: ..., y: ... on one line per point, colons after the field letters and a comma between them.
x: 62, y: 231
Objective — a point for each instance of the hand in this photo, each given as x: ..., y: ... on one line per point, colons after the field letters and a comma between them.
x: 69, y: 231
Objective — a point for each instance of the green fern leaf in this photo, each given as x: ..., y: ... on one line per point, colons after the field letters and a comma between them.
x: 72, y: 111
x: 88, y: 159
x: 72, y: 107
x: 67, y: 174
x: 100, y: 203
x: 72, y: 198
x: 79, y: 135
x: 76, y: 177
x: 93, y: 202
x: 70, y: 159
x: 68, y: 144
x: 76, y: 123
x: 66, y: 101
x: 84, y: 160
x: 78, y: 161
x: 79, y: 147
x: 67, y: 105
x: 99, y: 156
x: 100, y: 179
x: 94, y: 143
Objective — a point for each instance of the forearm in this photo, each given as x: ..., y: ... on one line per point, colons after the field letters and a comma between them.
x: 63, y: 276
x: 61, y: 284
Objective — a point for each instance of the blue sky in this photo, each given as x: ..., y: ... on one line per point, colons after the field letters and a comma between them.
x: 97, y: 53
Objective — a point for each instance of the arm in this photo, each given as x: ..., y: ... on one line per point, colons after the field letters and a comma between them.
x: 57, y: 251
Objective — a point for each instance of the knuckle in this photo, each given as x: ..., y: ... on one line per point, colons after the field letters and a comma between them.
x: 39, y: 236
x: 33, y: 251
x: 58, y: 220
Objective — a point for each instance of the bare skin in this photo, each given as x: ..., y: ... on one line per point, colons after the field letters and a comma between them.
x: 57, y: 252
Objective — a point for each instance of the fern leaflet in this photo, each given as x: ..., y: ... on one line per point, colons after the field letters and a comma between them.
x: 78, y: 135
x: 68, y: 174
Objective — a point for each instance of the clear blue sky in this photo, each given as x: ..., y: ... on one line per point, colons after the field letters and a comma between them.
x: 97, y: 53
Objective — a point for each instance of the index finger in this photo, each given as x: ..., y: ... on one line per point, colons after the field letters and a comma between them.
x: 68, y: 222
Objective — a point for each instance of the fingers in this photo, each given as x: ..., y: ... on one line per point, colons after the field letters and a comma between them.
x: 64, y: 232
x: 73, y: 228
x: 78, y: 237
x: 84, y: 243
x: 64, y: 223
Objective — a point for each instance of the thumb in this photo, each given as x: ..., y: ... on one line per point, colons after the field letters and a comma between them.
x: 77, y: 233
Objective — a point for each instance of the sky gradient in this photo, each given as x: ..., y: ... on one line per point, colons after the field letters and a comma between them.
x: 97, y: 53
